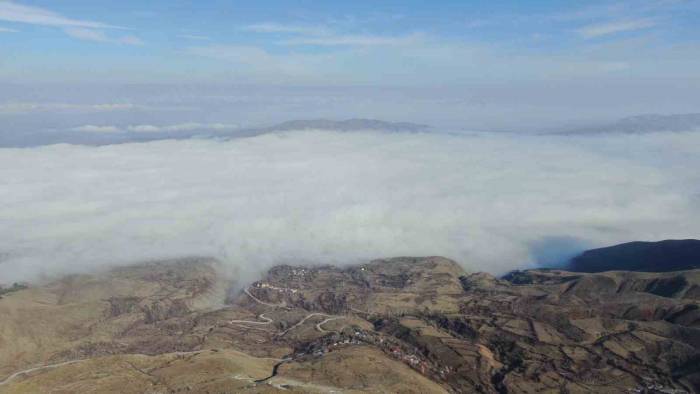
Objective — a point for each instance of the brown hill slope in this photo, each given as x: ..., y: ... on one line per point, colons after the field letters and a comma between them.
x: 397, y: 325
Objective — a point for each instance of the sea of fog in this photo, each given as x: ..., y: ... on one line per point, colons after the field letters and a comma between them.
x: 493, y: 202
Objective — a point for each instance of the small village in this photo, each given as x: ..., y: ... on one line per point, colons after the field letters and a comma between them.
x: 353, y: 335
x: 267, y: 286
x: 356, y: 336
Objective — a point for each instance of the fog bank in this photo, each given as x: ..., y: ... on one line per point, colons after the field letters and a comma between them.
x: 493, y: 202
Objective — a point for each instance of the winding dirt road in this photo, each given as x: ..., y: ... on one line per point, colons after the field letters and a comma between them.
x: 266, y: 321
x: 30, y: 370
x: 320, y: 329
x: 261, y: 316
x: 259, y: 301
x: 299, y: 323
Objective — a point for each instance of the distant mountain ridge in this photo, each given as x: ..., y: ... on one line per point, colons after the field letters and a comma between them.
x: 641, y: 124
x: 347, y: 125
x: 662, y: 256
x: 123, y: 137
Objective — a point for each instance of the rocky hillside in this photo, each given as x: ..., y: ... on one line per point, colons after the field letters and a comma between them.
x: 411, y: 325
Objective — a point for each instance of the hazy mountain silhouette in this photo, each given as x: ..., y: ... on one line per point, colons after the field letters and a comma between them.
x: 644, y: 124
x: 347, y: 125
x: 663, y: 256
x: 123, y: 137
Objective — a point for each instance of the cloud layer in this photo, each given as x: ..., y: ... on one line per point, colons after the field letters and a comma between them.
x: 490, y: 201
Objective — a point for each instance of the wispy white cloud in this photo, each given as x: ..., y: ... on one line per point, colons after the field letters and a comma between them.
x: 435, y: 60
x: 147, y: 128
x: 363, y: 52
x: 96, y: 129
x: 8, y: 30
x: 129, y: 40
x: 99, y: 36
x: 183, y: 127
x: 86, y: 34
x: 262, y: 66
x: 355, y: 40
x: 590, y: 12
x: 283, y: 28
x: 604, y: 29
x: 13, y: 12
x: 324, y: 36
x: 194, y: 37
x: 238, y: 53
x: 110, y: 106
x: 80, y: 29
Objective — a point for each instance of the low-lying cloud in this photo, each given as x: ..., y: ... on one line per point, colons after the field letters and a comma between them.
x: 148, y: 128
x: 490, y: 201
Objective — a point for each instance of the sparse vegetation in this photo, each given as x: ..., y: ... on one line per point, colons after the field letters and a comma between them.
x: 423, y: 321
x: 15, y: 287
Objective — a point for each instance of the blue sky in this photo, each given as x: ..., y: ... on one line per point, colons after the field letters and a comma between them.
x: 401, y: 43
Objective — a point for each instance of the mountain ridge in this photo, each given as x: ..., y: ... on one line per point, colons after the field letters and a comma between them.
x: 641, y: 124
x: 659, y: 256
x: 125, y: 136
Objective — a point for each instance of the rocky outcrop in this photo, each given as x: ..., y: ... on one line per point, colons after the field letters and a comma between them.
x: 164, y: 309
x: 122, y: 305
